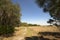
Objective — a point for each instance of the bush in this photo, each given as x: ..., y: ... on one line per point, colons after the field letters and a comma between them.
x: 6, y: 30
x: 9, y: 18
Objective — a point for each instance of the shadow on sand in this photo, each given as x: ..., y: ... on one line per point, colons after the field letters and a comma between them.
x: 55, y: 34
x: 42, y: 34
x: 36, y: 38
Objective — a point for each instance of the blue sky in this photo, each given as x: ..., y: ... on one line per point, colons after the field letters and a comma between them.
x: 31, y: 13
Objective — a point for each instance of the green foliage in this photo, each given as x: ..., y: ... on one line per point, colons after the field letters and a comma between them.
x: 51, y: 6
x: 26, y: 24
x: 50, y: 21
x: 33, y: 25
x: 9, y: 16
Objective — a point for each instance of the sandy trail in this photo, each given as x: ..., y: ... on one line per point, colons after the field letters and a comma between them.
x: 22, y: 36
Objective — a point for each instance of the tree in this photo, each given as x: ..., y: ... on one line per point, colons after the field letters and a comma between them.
x: 51, y: 6
x: 9, y: 17
x: 50, y: 21
x: 24, y: 24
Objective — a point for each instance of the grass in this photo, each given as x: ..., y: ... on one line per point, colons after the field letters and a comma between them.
x: 30, y: 32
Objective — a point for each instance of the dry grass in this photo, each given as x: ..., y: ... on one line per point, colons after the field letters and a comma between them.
x: 43, y: 29
x: 22, y: 32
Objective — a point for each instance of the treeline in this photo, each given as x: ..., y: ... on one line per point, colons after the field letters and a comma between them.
x: 26, y: 24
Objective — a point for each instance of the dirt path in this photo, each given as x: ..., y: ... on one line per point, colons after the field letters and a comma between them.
x: 22, y: 35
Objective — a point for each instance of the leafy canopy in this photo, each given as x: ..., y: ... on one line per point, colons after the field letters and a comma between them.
x: 51, y: 6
